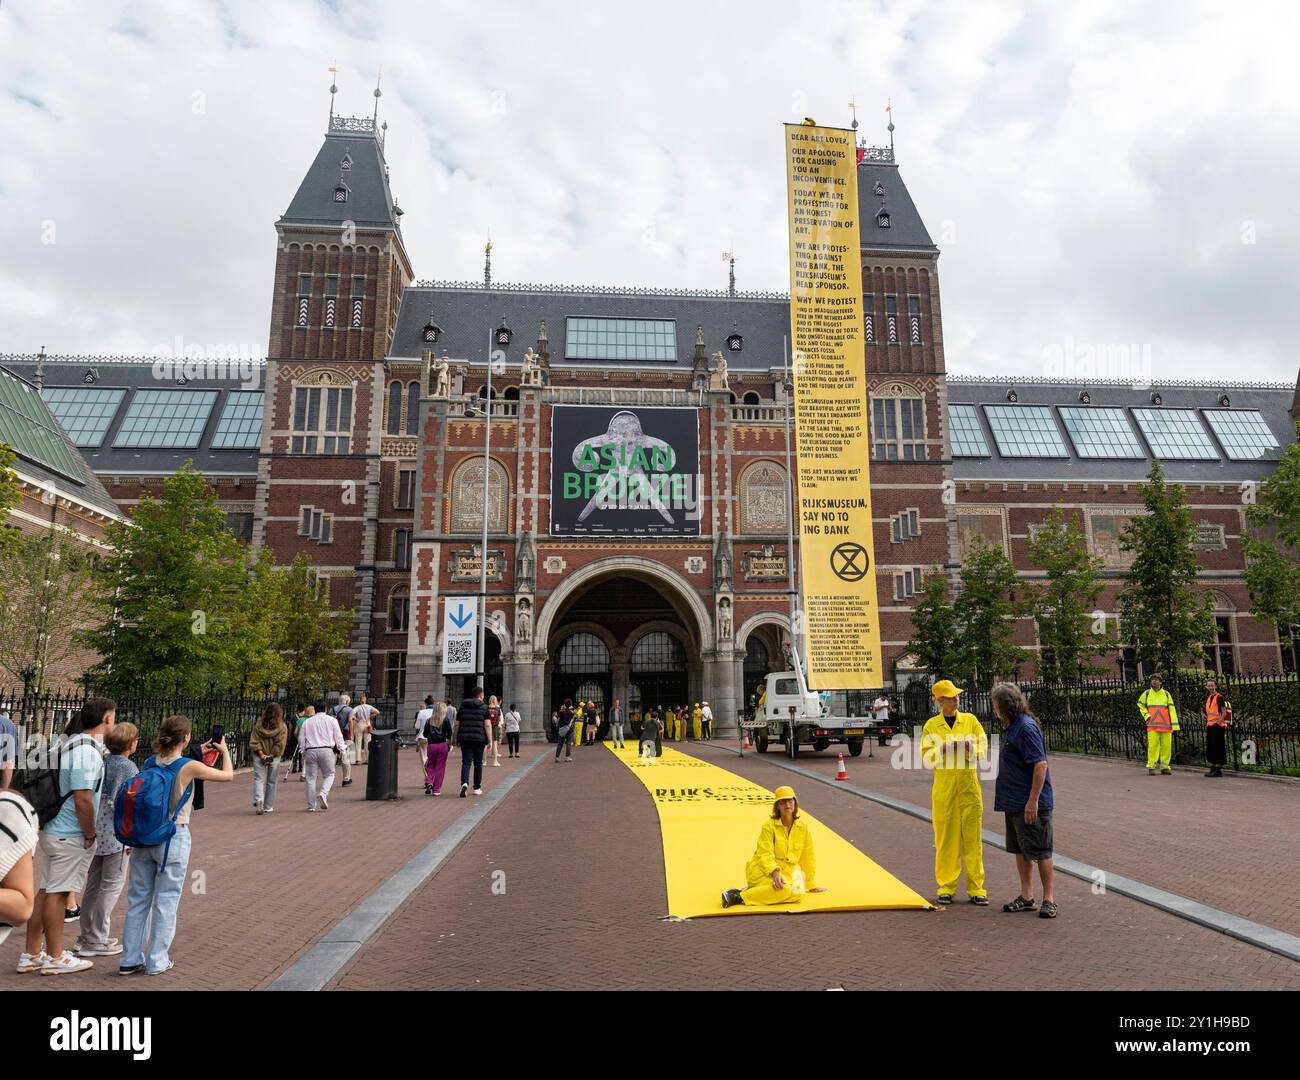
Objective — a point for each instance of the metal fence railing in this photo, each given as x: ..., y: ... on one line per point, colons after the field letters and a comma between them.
x: 43, y: 715
x: 1100, y: 716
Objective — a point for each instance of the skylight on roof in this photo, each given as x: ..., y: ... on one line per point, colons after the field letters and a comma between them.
x: 27, y: 425
x: 1025, y: 431
x: 965, y: 435
x: 1175, y: 434
x: 1244, y: 434
x: 620, y: 339
x: 240, y: 426
x: 1101, y: 433
x: 84, y: 411
x: 166, y: 419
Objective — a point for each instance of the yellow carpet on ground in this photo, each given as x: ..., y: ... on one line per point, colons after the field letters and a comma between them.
x: 710, y: 819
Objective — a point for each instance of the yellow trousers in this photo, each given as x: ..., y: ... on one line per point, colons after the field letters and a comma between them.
x: 577, y: 733
x: 958, y: 808
x: 763, y: 892
x: 1160, y: 747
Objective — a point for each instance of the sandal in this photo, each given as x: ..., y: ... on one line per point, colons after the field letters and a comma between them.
x: 1019, y: 904
x: 1048, y: 910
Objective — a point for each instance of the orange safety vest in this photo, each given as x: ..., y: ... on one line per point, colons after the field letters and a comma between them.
x: 1158, y: 718
x: 1216, y: 711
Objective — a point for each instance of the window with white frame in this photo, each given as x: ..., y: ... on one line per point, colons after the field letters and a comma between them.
x: 898, y: 429
x: 322, y: 420
x: 405, y: 489
x: 907, y: 584
x: 905, y: 526
x: 316, y: 524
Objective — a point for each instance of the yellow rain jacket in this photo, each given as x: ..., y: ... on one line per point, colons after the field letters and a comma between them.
x: 1159, y: 697
x: 956, y: 800
x: 791, y: 853
x: 696, y: 715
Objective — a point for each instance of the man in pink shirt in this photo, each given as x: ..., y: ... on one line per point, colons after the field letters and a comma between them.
x: 319, y: 737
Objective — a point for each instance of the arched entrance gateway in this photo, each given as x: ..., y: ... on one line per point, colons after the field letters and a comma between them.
x: 622, y: 628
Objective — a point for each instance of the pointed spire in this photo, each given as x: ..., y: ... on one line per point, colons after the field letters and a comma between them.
x: 730, y: 256
x: 854, y: 106
x: 334, y: 89
x: 487, y: 264
x: 38, y: 380
x: 889, y: 108
x: 378, y: 94
x: 700, y: 362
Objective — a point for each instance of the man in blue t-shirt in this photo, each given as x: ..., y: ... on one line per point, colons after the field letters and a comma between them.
x: 67, y: 841
x: 1024, y: 795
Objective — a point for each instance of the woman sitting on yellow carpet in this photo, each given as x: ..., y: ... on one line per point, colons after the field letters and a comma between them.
x: 783, y: 865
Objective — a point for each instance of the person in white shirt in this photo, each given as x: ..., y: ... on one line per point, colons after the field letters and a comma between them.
x: 880, y: 707
x: 706, y: 721
x: 362, y: 720
x: 512, y: 721
x: 320, y: 737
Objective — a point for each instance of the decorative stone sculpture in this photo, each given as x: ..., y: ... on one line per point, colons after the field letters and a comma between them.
x: 718, y: 375
x: 441, y: 371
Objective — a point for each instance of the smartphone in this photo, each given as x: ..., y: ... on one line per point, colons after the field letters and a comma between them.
x: 211, y: 756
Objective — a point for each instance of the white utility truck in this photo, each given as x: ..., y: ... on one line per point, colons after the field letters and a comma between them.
x: 787, y: 715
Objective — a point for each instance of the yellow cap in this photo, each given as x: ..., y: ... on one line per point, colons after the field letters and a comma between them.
x: 784, y: 792
x: 945, y: 688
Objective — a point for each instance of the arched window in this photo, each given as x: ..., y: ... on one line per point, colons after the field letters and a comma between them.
x: 752, y: 398
x: 394, y: 408
x: 757, y: 666
x: 658, y: 651
x: 413, y: 409
x: 897, y: 423
x: 763, y: 491
x: 582, y: 654
x: 512, y: 393
x: 467, y: 497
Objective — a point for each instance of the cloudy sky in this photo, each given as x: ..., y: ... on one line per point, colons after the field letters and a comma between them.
x: 1096, y: 174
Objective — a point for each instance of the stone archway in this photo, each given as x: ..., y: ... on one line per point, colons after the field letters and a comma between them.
x: 772, y: 630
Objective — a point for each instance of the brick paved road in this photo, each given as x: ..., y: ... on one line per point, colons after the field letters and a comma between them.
x: 275, y: 884
x: 580, y: 848
x: 1232, y: 843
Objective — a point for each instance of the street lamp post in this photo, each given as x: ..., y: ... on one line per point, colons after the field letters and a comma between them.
x: 481, y: 678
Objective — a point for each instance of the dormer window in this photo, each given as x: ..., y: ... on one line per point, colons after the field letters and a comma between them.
x: 346, y: 163
x: 341, y: 193
x: 879, y: 189
x: 735, y: 343
x: 432, y: 331
x: 882, y: 218
x: 503, y: 335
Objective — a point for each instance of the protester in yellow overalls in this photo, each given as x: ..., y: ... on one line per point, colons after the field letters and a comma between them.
x: 951, y: 744
x: 577, y: 723
x: 1157, y: 708
x: 783, y: 866
x: 696, y: 714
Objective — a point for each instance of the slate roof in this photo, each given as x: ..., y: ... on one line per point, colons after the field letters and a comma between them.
x: 1273, y: 401
x: 467, y: 313
x: 906, y: 231
x: 89, y: 491
x: 140, y: 374
x: 369, y: 201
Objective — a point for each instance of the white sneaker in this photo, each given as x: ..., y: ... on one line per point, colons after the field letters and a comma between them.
x: 269, y: 810
x: 28, y: 963
x: 64, y: 965
x: 311, y: 809
x: 478, y: 791
x: 162, y: 971
x: 321, y: 804
x: 111, y: 949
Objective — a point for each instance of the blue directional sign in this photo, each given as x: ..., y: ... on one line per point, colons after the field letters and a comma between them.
x: 459, y: 635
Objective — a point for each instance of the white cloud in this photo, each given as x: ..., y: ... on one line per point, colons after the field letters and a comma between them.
x: 1088, y: 170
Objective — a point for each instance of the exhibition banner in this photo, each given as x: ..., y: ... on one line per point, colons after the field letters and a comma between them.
x: 624, y: 471
x: 836, y: 553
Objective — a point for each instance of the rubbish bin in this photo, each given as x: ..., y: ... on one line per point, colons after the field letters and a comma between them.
x: 381, y: 775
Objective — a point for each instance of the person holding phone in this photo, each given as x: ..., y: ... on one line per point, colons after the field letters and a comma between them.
x: 157, y: 878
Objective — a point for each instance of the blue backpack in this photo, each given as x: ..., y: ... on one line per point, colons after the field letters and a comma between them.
x: 140, y: 817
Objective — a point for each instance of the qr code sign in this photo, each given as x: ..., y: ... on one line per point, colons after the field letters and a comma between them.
x: 460, y: 651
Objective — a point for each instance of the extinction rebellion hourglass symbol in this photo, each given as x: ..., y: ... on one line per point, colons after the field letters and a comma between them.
x: 850, y: 562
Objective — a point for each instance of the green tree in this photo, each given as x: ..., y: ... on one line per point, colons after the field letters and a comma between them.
x: 10, y: 493
x: 46, y: 588
x: 313, y: 639
x: 1272, y: 542
x: 936, y: 638
x: 253, y: 633
x: 986, y: 611
x: 1063, y: 605
x: 173, y: 577
x: 1163, y: 615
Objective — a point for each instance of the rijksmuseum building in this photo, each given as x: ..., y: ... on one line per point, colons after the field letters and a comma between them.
x: 363, y: 446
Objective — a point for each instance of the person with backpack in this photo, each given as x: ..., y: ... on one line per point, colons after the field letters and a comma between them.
x: 108, y: 867
x: 342, y: 712
x: 152, y: 817
x: 565, y: 722
x: 512, y: 721
x: 473, y: 733
x: 363, y: 722
x: 66, y: 800
x: 434, y: 739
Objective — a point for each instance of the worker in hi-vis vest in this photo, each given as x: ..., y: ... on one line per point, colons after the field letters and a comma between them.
x: 1218, y: 715
x: 1157, y: 708
x: 952, y: 743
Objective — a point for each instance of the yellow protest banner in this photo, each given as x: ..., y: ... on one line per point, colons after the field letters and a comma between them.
x: 836, y: 554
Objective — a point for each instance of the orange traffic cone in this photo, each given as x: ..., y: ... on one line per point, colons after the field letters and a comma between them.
x: 841, y: 775
x: 746, y: 745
